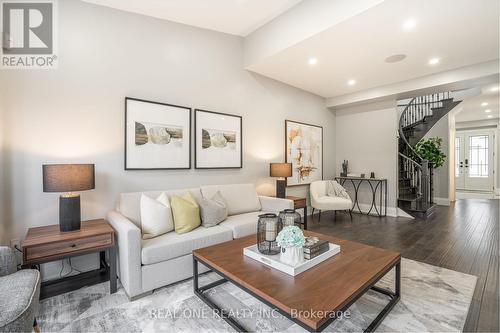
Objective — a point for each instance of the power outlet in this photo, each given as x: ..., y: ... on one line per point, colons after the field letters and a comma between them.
x: 15, y: 243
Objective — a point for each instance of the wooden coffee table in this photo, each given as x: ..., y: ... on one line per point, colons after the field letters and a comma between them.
x: 312, y: 299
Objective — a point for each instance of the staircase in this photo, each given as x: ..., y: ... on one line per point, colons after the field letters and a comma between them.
x: 415, y: 174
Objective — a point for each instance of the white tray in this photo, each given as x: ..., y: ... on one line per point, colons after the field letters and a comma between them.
x: 274, y: 260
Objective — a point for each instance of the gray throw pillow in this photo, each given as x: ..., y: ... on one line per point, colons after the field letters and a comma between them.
x: 213, y: 211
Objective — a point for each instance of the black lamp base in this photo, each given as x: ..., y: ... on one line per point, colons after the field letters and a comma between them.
x: 280, y: 188
x: 69, y: 213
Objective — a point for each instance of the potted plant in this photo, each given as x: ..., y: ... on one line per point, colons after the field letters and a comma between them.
x: 291, y: 240
x: 430, y: 150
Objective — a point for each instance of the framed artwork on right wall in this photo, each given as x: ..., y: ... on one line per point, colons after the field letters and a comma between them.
x: 304, y: 149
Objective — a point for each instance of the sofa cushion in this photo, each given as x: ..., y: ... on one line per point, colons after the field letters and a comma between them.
x: 186, y: 213
x: 129, y: 204
x: 173, y: 245
x: 19, y: 300
x: 213, y: 211
x: 240, y: 198
x: 156, y: 216
x: 332, y: 203
x: 242, y: 224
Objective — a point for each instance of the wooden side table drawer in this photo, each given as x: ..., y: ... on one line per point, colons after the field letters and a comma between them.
x: 299, y: 203
x: 67, y: 246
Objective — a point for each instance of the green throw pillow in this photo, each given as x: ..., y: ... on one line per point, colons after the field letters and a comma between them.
x: 186, y: 213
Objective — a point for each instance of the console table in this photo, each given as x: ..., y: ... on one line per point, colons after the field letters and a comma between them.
x: 376, y: 185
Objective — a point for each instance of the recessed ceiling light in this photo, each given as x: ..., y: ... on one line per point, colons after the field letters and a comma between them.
x: 409, y: 24
x: 351, y: 82
x: 395, y: 58
x: 434, y: 61
x: 313, y: 61
x: 487, y: 110
x: 490, y: 116
x: 484, y: 104
x: 494, y: 89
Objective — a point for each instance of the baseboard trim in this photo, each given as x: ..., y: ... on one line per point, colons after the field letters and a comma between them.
x: 391, y: 211
x: 442, y: 201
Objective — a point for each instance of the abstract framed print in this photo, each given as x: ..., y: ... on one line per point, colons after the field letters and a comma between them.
x: 218, y: 140
x: 157, y: 135
x: 304, y: 149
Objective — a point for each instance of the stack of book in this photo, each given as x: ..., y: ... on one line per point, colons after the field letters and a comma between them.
x: 314, y: 247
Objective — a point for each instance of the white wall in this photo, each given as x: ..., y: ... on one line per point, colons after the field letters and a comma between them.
x: 441, y: 179
x: 366, y: 135
x: 76, y: 113
x: 3, y: 226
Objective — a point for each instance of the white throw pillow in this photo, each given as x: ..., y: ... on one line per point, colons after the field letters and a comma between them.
x: 156, y: 216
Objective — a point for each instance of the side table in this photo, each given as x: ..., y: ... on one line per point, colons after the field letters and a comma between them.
x: 45, y: 244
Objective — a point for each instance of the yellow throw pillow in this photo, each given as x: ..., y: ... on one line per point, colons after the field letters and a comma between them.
x: 186, y: 213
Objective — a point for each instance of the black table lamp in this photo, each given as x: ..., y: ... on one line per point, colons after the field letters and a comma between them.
x: 280, y: 170
x: 68, y: 178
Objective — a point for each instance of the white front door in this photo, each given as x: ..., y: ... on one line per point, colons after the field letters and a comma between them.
x: 474, y: 160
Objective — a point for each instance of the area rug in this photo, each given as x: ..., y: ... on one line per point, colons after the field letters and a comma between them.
x: 433, y: 299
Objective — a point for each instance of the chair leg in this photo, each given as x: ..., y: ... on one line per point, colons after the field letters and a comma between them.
x: 312, y: 215
x: 36, y: 328
x: 350, y: 214
x: 320, y: 215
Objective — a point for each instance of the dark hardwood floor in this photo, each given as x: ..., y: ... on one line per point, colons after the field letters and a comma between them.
x: 463, y: 237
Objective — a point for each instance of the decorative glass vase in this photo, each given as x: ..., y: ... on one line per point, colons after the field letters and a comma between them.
x: 268, y: 227
x: 290, y: 217
x: 292, y: 255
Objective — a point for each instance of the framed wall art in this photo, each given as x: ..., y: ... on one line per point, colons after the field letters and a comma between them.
x: 218, y: 140
x: 157, y: 135
x: 304, y: 149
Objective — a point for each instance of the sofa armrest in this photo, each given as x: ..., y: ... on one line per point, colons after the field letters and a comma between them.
x: 7, y: 261
x: 271, y: 204
x: 129, y: 252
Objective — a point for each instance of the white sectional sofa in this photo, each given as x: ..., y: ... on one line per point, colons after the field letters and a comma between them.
x: 144, y: 265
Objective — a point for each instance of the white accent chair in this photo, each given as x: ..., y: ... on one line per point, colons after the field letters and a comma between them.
x: 321, y: 201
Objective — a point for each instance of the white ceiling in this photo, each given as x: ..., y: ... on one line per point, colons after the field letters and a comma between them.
x: 237, y: 17
x: 472, y: 110
x: 460, y: 32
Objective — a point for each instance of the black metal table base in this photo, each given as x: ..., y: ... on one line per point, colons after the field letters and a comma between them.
x: 393, y: 296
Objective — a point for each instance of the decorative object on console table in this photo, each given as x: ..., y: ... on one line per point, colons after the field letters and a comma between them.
x: 345, y: 165
x: 291, y: 240
x: 304, y: 149
x: 282, y: 171
x: 157, y: 135
x: 268, y: 227
x: 68, y: 178
x: 290, y: 217
x: 48, y: 243
x: 218, y: 140
x: 372, y: 174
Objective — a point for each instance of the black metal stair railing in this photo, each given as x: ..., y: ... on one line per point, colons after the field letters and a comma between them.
x: 415, y: 173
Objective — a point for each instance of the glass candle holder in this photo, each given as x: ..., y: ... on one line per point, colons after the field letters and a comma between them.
x: 290, y: 217
x: 268, y: 227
